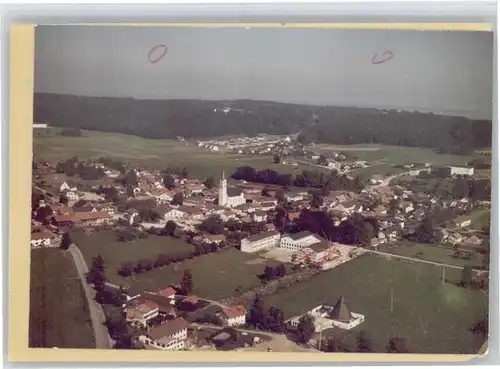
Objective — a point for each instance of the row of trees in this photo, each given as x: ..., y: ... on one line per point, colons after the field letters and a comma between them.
x: 196, y: 118
x: 331, y: 181
x: 75, y: 167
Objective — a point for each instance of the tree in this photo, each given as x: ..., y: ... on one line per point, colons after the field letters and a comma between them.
x: 277, y: 159
x: 256, y: 313
x: 130, y: 179
x: 274, y: 320
x: 126, y: 269
x: 363, y: 342
x: 397, y: 345
x: 466, y: 279
x: 66, y: 241
x: 317, y: 200
x: 209, y: 182
x: 187, y: 284
x: 63, y: 199
x: 170, y: 228
x: 178, y: 199
x: 269, y: 273
x: 305, y: 328
x: 169, y: 181
x: 281, y: 270
x: 213, y: 225
x: 96, y: 272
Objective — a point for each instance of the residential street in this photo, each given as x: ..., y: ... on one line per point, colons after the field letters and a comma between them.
x: 102, y: 338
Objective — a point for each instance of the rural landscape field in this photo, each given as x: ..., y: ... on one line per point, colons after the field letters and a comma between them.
x: 209, y: 201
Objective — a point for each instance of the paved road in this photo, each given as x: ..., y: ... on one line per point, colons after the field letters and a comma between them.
x: 102, y: 338
x: 388, y: 180
x: 418, y: 260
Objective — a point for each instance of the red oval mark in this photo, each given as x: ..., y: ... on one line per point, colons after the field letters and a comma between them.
x: 162, y: 53
x: 382, y: 58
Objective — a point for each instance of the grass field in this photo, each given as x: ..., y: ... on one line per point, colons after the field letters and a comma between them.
x: 58, y: 307
x: 150, y: 153
x: 382, y: 169
x: 480, y: 218
x: 430, y: 252
x: 215, y: 275
x: 115, y: 253
x: 433, y: 317
x: 398, y: 154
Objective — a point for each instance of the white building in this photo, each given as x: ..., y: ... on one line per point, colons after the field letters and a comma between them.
x: 42, y: 239
x: 229, y: 197
x: 169, y: 336
x: 298, y: 241
x: 234, y: 315
x: 463, y: 171
x: 260, y: 241
x: 326, y: 316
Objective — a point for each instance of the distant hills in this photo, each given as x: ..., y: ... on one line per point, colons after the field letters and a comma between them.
x: 202, y: 118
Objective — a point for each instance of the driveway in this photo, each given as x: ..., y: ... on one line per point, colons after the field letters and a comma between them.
x: 102, y: 338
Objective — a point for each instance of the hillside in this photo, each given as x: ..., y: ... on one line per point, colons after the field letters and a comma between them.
x: 198, y: 119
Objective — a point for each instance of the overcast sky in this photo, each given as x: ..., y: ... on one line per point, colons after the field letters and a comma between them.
x: 448, y: 72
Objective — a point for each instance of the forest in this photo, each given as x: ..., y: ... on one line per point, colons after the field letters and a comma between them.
x: 165, y: 119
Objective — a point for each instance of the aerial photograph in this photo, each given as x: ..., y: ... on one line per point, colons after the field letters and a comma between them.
x: 261, y: 189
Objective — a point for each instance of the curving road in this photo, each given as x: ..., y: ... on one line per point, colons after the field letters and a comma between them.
x: 102, y: 338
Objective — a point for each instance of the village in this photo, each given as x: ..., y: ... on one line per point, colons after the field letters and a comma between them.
x: 219, y: 214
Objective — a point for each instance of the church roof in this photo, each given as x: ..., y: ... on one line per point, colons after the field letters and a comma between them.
x: 233, y: 192
x: 340, y: 311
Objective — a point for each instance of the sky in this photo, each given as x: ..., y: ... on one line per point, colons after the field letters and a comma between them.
x: 438, y: 71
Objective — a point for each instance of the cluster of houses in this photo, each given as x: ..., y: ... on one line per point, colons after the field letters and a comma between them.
x: 261, y: 144
x: 163, y: 320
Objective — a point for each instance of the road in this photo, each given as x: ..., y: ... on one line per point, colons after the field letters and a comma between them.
x: 388, y: 180
x: 418, y: 260
x: 102, y: 338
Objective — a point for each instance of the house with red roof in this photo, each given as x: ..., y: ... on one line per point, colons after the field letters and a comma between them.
x: 234, y: 315
x: 139, y: 315
x: 43, y: 239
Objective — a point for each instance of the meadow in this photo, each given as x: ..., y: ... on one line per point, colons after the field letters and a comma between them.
x: 434, y: 317
x: 58, y: 307
x: 431, y: 252
x: 149, y: 153
x: 216, y: 275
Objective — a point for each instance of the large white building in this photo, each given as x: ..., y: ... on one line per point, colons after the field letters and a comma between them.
x: 231, y: 197
x: 326, y: 316
x: 463, y: 171
x: 261, y: 241
x: 297, y: 241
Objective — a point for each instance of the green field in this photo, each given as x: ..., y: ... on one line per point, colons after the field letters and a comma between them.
x: 148, y: 153
x: 433, y: 317
x: 382, y: 169
x: 115, y: 253
x: 58, y: 307
x: 398, y: 154
x: 432, y: 252
x: 216, y: 275
x: 480, y: 218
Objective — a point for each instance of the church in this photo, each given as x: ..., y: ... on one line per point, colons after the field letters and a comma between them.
x: 231, y: 197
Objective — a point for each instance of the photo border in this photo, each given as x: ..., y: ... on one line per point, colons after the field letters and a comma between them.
x: 20, y: 154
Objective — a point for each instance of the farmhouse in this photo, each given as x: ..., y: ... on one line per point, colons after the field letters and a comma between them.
x: 234, y: 315
x: 261, y: 241
x: 214, y: 238
x: 463, y: 171
x: 94, y: 218
x: 169, y: 336
x: 64, y: 221
x: 139, y: 315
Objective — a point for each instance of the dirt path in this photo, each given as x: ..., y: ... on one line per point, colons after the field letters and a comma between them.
x: 102, y: 338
